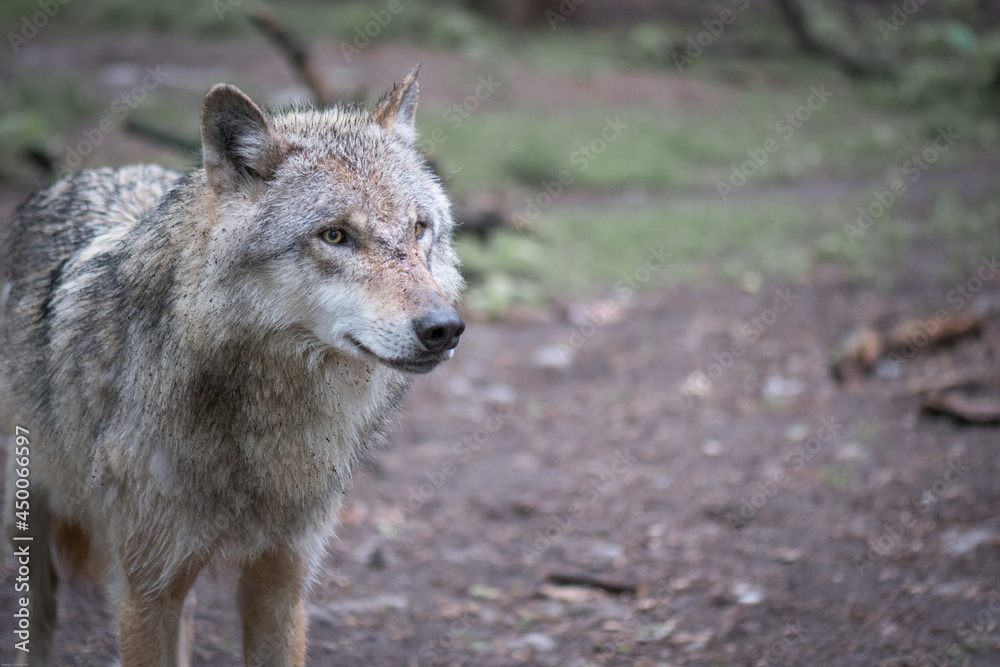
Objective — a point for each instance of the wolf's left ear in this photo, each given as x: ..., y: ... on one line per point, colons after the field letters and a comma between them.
x: 239, y: 147
x: 397, y: 109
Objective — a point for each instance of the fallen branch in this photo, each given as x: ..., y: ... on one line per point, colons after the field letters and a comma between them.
x: 296, y: 54
x: 984, y: 409
x: 958, y: 377
x: 914, y: 334
x: 614, y: 587
x: 858, y: 354
x: 40, y: 158
x: 480, y: 224
x: 161, y: 136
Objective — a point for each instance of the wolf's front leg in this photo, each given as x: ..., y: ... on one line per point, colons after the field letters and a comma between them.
x: 151, y: 624
x: 272, y: 609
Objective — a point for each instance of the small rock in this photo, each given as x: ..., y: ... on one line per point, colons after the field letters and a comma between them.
x: 852, y: 451
x: 606, y: 551
x: 119, y: 75
x: 654, y: 631
x: 786, y: 555
x: 526, y: 462
x: 692, y: 641
x: 459, y: 385
x: 888, y: 630
x: 569, y: 593
x: 365, y: 552
x: 386, y: 528
x: 712, y: 448
x: 578, y: 314
x: 483, y: 591
x: 553, y: 356
x: 947, y: 589
x: 888, y: 369
x: 746, y: 594
x: 958, y: 541
x: 778, y: 386
x: 500, y: 392
x: 656, y: 530
x: 696, y: 384
x: 752, y: 281
x: 536, y: 641
x: 377, y: 560
x: 797, y: 432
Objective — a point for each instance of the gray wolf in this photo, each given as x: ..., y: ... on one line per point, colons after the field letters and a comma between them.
x: 202, y: 359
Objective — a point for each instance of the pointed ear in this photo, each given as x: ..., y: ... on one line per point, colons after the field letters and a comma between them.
x: 398, y: 107
x: 240, y: 149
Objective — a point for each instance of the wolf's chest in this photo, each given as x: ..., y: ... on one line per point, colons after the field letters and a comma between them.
x: 295, y: 439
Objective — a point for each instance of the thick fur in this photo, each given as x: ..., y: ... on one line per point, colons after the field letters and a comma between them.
x: 201, y: 368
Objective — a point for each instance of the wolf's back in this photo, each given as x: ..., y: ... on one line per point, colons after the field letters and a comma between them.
x: 46, y: 232
x: 58, y: 221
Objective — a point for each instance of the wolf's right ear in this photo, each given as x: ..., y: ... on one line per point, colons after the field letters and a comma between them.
x: 398, y: 107
x: 239, y: 147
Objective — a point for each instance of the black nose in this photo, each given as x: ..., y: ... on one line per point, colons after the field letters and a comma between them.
x: 439, y: 329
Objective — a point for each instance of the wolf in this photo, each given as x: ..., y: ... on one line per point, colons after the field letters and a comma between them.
x: 201, y: 360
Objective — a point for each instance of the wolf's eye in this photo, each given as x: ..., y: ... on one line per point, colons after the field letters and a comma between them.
x: 333, y: 236
x: 418, y: 229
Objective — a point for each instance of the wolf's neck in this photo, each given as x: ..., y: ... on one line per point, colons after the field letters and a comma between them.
x: 270, y: 398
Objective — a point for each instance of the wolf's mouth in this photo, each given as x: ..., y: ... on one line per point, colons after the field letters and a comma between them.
x: 419, y: 365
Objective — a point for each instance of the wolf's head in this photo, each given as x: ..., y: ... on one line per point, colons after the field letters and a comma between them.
x: 329, y: 223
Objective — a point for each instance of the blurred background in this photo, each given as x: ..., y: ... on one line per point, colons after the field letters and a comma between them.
x: 696, y: 84
x: 746, y: 247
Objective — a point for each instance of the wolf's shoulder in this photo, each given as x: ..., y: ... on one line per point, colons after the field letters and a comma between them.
x: 96, y: 198
x: 59, y: 220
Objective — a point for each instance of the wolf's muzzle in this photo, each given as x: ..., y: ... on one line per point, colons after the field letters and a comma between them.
x: 439, y: 329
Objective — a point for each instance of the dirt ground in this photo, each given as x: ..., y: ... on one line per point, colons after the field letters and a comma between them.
x: 613, y: 507
x: 505, y: 472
